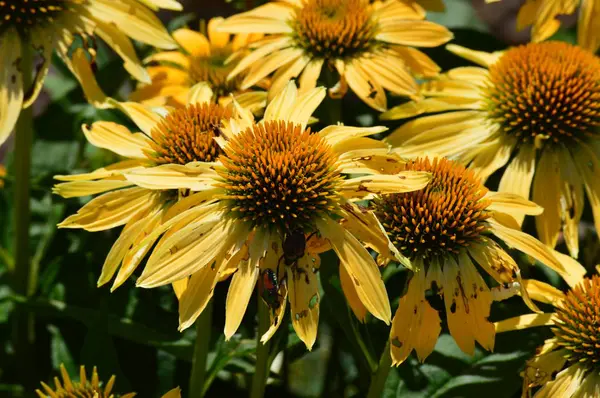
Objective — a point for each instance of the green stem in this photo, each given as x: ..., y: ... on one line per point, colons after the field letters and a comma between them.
x: 261, y: 371
x: 25, y: 278
x: 379, y: 378
x: 201, y: 348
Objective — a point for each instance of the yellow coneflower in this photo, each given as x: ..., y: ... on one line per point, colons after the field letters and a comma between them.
x: 567, y: 365
x: 273, y: 201
x: 445, y: 230
x: 539, y: 102
x: 164, y: 146
x: 85, y: 388
x: 542, y: 16
x: 202, y: 58
x: 48, y: 25
x: 370, y: 45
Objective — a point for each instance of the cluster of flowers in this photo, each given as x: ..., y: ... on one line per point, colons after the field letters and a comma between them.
x: 227, y: 179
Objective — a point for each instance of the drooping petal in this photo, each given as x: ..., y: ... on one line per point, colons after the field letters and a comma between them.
x: 546, y: 193
x: 356, y: 305
x: 518, y: 175
x: 304, y: 298
x: 361, y: 267
x: 11, y: 82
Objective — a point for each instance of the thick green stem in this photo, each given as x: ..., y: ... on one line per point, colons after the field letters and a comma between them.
x: 201, y: 348
x: 261, y: 371
x: 380, y: 376
x: 24, y: 278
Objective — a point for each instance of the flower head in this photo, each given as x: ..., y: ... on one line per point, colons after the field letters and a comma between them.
x: 275, y: 199
x: 201, y: 58
x: 567, y: 364
x: 540, y: 102
x: 368, y: 44
x: 48, y: 25
x: 164, y: 146
x: 84, y: 388
x: 446, y: 229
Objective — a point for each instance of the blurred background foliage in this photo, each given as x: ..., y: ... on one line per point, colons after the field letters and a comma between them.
x: 132, y: 332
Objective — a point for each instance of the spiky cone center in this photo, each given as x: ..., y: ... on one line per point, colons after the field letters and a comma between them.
x: 279, y: 175
x: 27, y: 14
x: 187, y: 134
x: 437, y: 221
x: 578, y: 328
x: 550, y: 89
x: 333, y: 29
x: 213, y: 70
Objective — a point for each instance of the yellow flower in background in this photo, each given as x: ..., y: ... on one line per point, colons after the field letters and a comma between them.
x: 49, y: 25
x: 165, y: 144
x: 87, y: 388
x: 91, y: 388
x: 543, y: 15
x: 534, y: 107
x: 202, y: 58
x: 370, y: 45
x: 272, y: 202
x: 567, y: 365
x: 446, y: 230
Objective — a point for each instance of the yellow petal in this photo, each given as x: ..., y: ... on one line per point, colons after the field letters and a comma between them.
x: 176, y: 392
x: 357, y: 306
x: 141, y: 115
x: 482, y: 58
x: 304, y: 299
x: 269, y: 64
x: 133, y: 19
x: 589, y: 169
x: 85, y: 188
x: 518, y: 175
x: 195, y: 43
x: 429, y: 105
x: 283, y: 76
x: 360, y: 265
x: 198, y: 293
x: 280, y: 107
x: 571, y: 201
x: 132, y: 232
x: 118, y: 139
x: 366, y: 227
x: 419, y: 63
x: 338, y: 135
x: 243, y: 282
x: 310, y: 75
x: 83, y: 72
x: 523, y: 322
x: 267, y: 47
x: 120, y: 43
x: 589, y: 20
x: 44, y: 44
x: 199, y: 93
x: 546, y: 193
x: 365, y: 85
x: 371, y: 160
x: 186, y: 251
x: 405, y: 181
x: 171, y: 176
x: 543, y: 292
x: 491, y: 158
x: 111, y: 209
x: 217, y: 38
x: 115, y: 169
x: 415, y: 33
x: 512, y: 204
x: 531, y: 246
